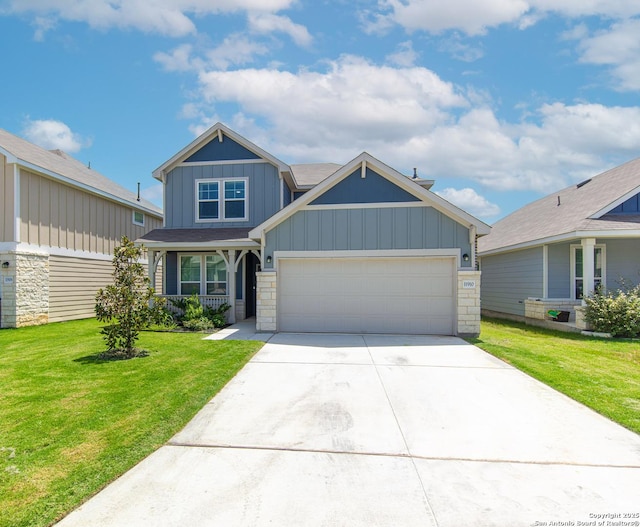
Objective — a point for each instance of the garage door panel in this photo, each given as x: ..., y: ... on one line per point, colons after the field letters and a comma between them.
x: 366, y: 295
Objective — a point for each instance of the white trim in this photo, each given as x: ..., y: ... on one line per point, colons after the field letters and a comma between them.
x: 225, y: 162
x: 615, y: 203
x: 45, y: 250
x: 201, y: 246
x: 385, y: 205
x: 545, y: 271
x: 363, y: 170
x: 17, y: 215
x: 379, y: 253
x: 620, y: 233
x: 203, y: 272
x: 221, y: 200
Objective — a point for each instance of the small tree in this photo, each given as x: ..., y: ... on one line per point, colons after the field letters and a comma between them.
x: 125, y: 304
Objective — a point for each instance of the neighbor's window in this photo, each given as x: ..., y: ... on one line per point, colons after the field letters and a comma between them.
x: 138, y: 217
x: 232, y: 205
x: 598, y: 270
x: 192, y: 280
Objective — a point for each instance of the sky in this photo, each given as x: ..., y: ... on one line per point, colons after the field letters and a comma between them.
x: 499, y: 101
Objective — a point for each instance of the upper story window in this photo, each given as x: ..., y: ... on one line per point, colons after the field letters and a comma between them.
x: 138, y: 218
x: 221, y: 199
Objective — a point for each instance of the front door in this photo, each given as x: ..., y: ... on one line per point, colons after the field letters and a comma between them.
x: 251, y: 267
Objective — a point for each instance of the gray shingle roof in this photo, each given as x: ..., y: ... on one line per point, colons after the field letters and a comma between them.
x: 195, y: 235
x: 569, y: 210
x: 71, y: 169
x: 310, y: 174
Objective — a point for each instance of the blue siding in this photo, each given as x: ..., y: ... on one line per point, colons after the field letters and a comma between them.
x: 559, y: 275
x: 622, y: 262
x: 264, y: 193
x: 371, y: 189
x: 509, y: 279
x: 631, y: 206
x: 228, y: 150
x: 368, y: 229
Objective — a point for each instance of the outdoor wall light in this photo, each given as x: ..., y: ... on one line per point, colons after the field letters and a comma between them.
x: 269, y: 260
x: 5, y: 265
x: 465, y: 257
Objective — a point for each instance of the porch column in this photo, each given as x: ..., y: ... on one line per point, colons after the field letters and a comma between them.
x: 588, y: 267
x: 151, y: 267
x: 231, y: 277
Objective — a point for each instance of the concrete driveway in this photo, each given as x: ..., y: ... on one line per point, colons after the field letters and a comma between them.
x: 353, y: 430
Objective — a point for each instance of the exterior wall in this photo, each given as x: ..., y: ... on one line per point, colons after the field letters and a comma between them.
x: 8, y: 291
x: 631, y: 206
x: 622, y: 260
x: 73, y: 284
x: 60, y: 216
x: 266, y: 287
x: 537, y: 308
x: 468, y: 303
x: 263, y: 191
x: 509, y: 279
x: 559, y: 275
x: 367, y: 229
x: 7, y: 212
x: 31, y: 290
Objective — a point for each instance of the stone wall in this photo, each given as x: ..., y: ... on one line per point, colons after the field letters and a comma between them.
x: 537, y: 308
x: 8, y: 291
x: 266, y: 282
x: 32, y: 289
x: 468, y: 303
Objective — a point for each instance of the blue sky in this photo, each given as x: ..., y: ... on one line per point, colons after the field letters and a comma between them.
x: 500, y: 101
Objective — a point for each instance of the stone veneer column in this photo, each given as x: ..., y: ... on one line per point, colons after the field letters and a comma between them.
x: 8, y: 289
x: 31, y: 289
x: 468, y: 303
x: 266, y: 282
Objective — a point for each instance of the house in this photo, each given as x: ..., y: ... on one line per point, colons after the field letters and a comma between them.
x: 59, y: 224
x: 314, y: 248
x: 550, y: 253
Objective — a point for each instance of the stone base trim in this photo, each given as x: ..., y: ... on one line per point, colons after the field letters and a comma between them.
x: 468, y: 304
x: 537, y: 308
x: 266, y: 297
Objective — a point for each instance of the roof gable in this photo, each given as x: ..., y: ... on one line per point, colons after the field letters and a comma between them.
x: 372, y: 188
x: 231, y: 146
x: 358, y: 166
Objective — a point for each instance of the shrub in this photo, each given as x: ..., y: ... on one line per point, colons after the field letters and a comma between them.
x: 615, y: 312
x: 197, y: 317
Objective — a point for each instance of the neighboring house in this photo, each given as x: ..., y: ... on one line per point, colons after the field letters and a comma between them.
x: 59, y: 224
x: 320, y: 247
x: 550, y: 253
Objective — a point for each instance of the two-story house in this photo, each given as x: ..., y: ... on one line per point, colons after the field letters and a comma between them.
x: 59, y: 224
x: 314, y: 248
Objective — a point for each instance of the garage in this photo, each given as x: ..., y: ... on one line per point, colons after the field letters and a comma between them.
x: 402, y: 295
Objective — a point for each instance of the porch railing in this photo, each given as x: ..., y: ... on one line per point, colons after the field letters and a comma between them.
x: 212, y: 301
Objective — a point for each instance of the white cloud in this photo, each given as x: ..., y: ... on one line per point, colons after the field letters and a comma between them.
x: 168, y: 17
x: 617, y: 47
x: 53, y: 135
x: 270, y: 23
x: 154, y: 194
x: 405, y: 55
x: 475, y: 17
x: 469, y: 200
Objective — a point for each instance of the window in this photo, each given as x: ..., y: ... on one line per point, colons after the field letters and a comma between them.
x: 598, y: 270
x: 138, y: 218
x: 192, y: 280
x: 232, y: 205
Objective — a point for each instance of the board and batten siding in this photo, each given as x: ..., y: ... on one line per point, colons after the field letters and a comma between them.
x: 57, y: 215
x: 509, y: 279
x: 7, y: 213
x: 559, y: 258
x: 382, y: 228
x: 622, y: 261
x: 263, y: 195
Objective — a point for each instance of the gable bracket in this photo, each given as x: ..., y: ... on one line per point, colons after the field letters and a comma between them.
x: 363, y: 170
x: 219, y: 135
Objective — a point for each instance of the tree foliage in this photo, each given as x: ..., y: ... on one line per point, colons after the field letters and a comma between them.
x: 126, y: 305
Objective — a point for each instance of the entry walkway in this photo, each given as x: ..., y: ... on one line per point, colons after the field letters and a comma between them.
x: 375, y: 430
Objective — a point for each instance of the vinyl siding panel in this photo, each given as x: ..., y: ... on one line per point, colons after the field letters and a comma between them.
x: 7, y: 214
x: 367, y: 229
x: 263, y: 193
x: 57, y: 215
x: 559, y: 258
x: 622, y: 262
x: 508, y: 279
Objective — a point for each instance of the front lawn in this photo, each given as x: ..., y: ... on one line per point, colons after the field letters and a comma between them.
x: 70, y: 423
x: 603, y: 374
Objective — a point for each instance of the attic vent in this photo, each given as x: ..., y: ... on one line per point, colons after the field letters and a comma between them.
x: 583, y: 183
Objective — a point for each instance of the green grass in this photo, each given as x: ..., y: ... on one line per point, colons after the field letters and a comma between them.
x: 70, y: 423
x: 603, y: 374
